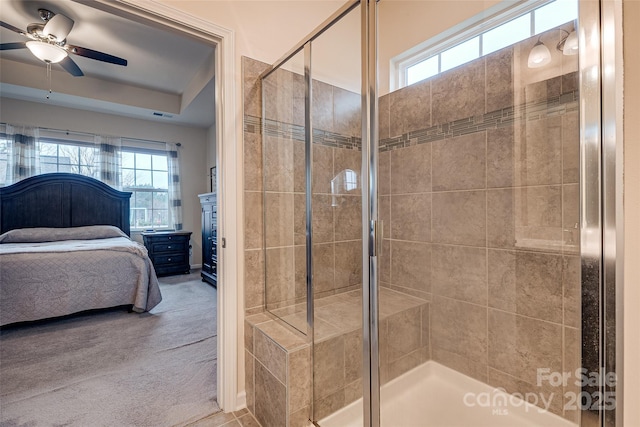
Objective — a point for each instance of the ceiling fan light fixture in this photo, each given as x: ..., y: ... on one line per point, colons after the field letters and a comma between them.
x: 46, y: 52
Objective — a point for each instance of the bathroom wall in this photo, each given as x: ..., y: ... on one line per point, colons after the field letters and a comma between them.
x: 479, y: 170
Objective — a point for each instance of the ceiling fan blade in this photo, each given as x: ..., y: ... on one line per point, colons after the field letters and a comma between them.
x: 58, y: 26
x: 94, y: 54
x: 9, y: 46
x: 71, y: 67
x: 12, y: 28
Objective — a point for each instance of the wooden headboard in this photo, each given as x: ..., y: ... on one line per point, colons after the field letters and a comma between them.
x: 62, y: 200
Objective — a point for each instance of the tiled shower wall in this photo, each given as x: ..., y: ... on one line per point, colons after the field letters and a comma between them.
x: 336, y: 218
x: 479, y: 195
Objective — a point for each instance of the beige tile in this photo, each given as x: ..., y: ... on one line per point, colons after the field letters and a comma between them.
x: 502, y: 280
x: 571, y: 216
x: 469, y: 366
x: 322, y: 169
x: 571, y: 363
x: 570, y: 147
x: 543, y: 90
x: 384, y: 173
x: 348, y: 217
x: 460, y: 328
x: 411, y: 265
x: 348, y: 264
x: 251, y: 69
x: 542, y: 395
x: 324, y: 267
x: 323, y: 218
x: 298, y: 96
x: 299, y: 379
x: 279, y: 216
x: 501, y: 221
x: 252, y: 157
x: 410, y: 108
x: 347, y: 119
x: 538, y: 216
x: 404, y: 364
x: 286, y: 337
x: 572, y: 291
x: 278, y: 164
x: 322, y: 113
x: 383, y: 116
x: 299, y: 219
x: 459, y: 93
x: 384, y: 215
x: 270, y: 398
x: 248, y: 420
x: 460, y: 163
x: 353, y: 355
x: 253, y: 278
x: 425, y: 341
x: 328, y: 405
x: 392, y: 302
x: 534, y: 278
x: 353, y: 391
x: 278, y: 96
x: 459, y: 272
x: 299, y: 167
x: 300, y: 271
x: 500, y: 157
x: 459, y: 218
x: 538, y: 150
x: 271, y: 355
x: 344, y: 316
x: 410, y: 217
x: 411, y: 169
x: 384, y: 261
x: 499, y: 89
x: 280, y: 275
x: 249, y: 380
x: 328, y: 367
x: 570, y: 82
x: 519, y: 345
x: 404, y: 333
x: 348, y: 159
x: 300, y: 418
x: 253, y: 220
x: 216, y: 420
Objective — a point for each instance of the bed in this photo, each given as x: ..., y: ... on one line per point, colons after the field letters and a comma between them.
x: 65, y: 247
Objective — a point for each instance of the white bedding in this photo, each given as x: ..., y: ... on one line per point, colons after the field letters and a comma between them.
x: 48, y: 279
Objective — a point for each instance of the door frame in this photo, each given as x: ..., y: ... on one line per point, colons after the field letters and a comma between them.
x: 229, y: 160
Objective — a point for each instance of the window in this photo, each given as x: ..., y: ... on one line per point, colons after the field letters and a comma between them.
x: 67, y: 157
x: 146, y: 175
x: 481, y: 38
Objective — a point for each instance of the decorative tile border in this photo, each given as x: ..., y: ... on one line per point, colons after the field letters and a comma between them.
x: 555, y: 106
x: 505, y: 117
x: 277, y: 129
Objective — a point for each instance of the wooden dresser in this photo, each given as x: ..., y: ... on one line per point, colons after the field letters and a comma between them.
x: 209, y: 206
x: 169, y: 251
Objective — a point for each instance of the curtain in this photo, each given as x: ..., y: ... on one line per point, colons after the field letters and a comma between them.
x: 109, y: 167
x: 22, y: 140
x: 175, y: 199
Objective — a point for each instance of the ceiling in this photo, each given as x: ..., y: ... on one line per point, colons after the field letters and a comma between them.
x: 169, y: 77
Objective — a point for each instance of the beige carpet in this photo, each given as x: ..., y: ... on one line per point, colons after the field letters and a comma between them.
x: 115, y: 368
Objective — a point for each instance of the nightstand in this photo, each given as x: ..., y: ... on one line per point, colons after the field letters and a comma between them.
x: 169, y: 251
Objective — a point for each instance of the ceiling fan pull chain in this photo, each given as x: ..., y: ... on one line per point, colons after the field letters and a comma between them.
x: 49, y: 78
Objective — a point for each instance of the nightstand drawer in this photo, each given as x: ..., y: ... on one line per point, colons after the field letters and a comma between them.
x: 158, y: 247
x: 174, y: 258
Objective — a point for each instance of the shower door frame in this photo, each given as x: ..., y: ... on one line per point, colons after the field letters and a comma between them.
x: 600, y: 208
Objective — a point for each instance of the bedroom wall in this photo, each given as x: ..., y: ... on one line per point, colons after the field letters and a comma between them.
x: 193, y: 153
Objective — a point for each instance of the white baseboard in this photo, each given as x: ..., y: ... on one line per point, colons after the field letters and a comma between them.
x: 241, y: 400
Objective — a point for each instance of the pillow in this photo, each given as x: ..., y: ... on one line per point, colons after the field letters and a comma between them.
x: 45, y: 234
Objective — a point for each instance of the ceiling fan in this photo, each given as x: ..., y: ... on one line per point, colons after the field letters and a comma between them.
x: 47, y: 42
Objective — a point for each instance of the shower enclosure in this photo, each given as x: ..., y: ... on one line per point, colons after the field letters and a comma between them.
x: 436, y: 238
